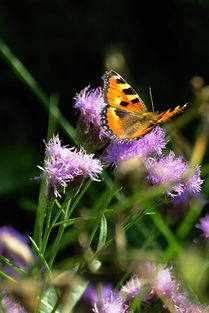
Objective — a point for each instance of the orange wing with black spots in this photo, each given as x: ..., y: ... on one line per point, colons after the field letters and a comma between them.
x: 119, y: 94
x: 125, y: 116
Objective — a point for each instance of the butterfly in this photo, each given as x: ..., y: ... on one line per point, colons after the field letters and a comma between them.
x: 125, y: 115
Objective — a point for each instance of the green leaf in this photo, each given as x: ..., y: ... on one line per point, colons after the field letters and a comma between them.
x: 102, y: 234
x: 76, y: 294
x: 48, y: 301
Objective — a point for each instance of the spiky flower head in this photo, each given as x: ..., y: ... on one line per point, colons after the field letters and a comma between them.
x: 152, y: 143
x: 112, y: 304
x: 169, y: 169
x: 204, y: 225
x: 91, y: 295
x: 133, y: 286
x: 163, y: 282
x: 63, y: 165
x: 12, y: 306
x: 90, y: 103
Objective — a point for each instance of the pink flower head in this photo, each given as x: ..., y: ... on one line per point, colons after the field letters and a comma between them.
x: 11, y: 306
x: 118, y: 151
x: 88, y: 130
x: 133, y: 286
x: 63, y: 165
x: 90, y: 103
x: 192, y: 308
x: 112, y: 304
x: 91, y: 294
x: 204, y: 225
x: 163, y: 282
x: 168, y: 169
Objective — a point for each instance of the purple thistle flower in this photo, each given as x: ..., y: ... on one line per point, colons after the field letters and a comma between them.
x: 118, y: 151
x: 90, y: 103
x: 91, y: 294
x: 191, y: 308
x: 192, y: 185
x: 89, y: 133
x: 133, y: 286
x: 163, y: 282
x: 168, y: 169
x: 64, y: 165
x: 15, y: 247
x: 11, y: 306
x: 204, y: 225
x: 54, y: 148
x: 113, y: 304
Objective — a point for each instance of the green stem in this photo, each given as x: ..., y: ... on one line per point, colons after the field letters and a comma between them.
x: 49, y: 229
x: 185, y: 227
x: 2, y: 307
x: 40, y: 215
x: 55, y: 249
x: 165, y: 230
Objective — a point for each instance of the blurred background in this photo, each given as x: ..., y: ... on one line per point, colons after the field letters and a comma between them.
x: 67, y: 45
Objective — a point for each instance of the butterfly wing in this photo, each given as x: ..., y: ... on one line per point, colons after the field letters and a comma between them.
x: 123, y: 106
x: 119, y: 94
x: 135, y: 126
x: 125, y: 116
x: 124, y: 124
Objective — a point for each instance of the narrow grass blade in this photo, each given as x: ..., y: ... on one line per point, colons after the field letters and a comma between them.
x: 40, y: 254
x: 2, y: 307
x: 10, y: 263
x: 4, y: 275
x: 167, y: 233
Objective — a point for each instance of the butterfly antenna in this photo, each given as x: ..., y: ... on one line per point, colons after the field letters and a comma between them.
x: 150, y: 94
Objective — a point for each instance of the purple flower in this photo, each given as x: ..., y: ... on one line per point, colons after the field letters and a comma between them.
x: 118, y: 151
x: 113, y: 304
x: 204, y: 225
x: 15, y: 247
x: 91, y: 294
x: 163, y: 282
x: 64, y: 165
x: 90, y: 103
x: 192, y: 185
x: 133, y: 286
x: 191, y: 308
x: 11, y: 306
x: 89, y: 133
x: 168, y: 169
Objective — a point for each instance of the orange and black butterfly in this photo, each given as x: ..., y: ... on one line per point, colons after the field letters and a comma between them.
x: 125, y: 115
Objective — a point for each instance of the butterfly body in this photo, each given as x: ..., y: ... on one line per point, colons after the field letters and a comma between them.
x: 125, y: 115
